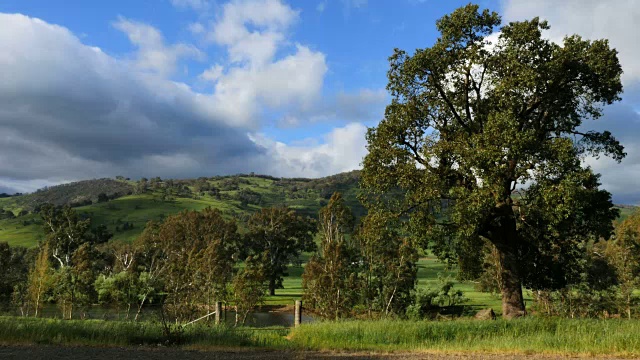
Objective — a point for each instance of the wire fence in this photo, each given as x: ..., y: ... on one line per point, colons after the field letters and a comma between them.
x: 276, y: 315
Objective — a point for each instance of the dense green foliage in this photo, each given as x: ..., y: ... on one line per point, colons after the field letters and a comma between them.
x: 471, y: 122
x: 331, y: 281
x: 607, y: 278
x: 277, y: 236
x: 192, y: 255
x: 14, y: 266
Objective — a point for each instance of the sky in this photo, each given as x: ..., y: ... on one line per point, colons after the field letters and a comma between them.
x: 189, y: 88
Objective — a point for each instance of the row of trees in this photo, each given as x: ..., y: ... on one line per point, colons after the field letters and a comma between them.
x: 604, y: 282
x: 184, y: 263
x: 193, y: 259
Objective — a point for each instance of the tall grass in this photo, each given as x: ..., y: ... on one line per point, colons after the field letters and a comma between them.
x: 531, y: 335
x: 14, y: 330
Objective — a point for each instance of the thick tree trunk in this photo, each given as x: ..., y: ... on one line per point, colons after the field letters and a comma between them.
x: 505, y: 238
x: 512, y: 300
x: 272, y: 287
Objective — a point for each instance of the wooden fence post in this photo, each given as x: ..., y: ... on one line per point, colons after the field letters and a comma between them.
x: 218, y: 310
x: 297, y: 316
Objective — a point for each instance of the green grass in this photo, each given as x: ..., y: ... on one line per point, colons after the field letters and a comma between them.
x: 428, y: 270
x: 16, y: 233
x: 15, y: 330
x: 626, y: 211
x: 530, y: 335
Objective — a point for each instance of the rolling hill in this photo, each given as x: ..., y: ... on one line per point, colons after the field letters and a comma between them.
x: 126, y: 206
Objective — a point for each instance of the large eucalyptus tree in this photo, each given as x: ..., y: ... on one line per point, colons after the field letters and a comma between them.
x: 484, y: 140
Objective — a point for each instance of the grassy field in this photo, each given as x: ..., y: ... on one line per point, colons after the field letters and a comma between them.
x: 428, y: 270
x: 565, y: 337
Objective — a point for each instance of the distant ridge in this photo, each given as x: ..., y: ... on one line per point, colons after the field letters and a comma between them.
x: 74, y: 193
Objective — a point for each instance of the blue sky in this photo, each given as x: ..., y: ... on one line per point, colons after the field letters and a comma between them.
x: 356, y: 37
x: 182, y: 88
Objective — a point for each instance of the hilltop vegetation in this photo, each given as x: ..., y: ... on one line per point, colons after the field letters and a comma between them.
x: 125, y: 206
x: 75, y: 194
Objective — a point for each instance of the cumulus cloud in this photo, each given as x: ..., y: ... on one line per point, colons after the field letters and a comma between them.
x: 343, y: 150
x: 153, y: 55
x: 196, y: 28
x: 213, y: 73
x: 294, y: 81
x: 596, y: 19
x: 253, y: 32
x: 271, y: 18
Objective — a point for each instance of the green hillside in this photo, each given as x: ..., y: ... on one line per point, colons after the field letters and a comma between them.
x: 126, y: 215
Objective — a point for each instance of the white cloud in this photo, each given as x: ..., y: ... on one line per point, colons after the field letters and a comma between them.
x: 252, y: 34
x: 321, y: 6
x: 343, y: 150
x: 270, y: 18
x: 213, y: 73
x: 593, y: 19
x: 153, y: 55
x: 596, y: 19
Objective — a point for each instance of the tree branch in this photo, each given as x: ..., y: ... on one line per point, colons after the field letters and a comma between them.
x: 449, y: 104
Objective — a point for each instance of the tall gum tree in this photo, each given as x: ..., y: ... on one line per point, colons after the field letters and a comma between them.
x: 276, y: 236
x: 484, y: 138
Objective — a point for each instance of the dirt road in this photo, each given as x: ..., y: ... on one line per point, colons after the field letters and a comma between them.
x: 93, y: 353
